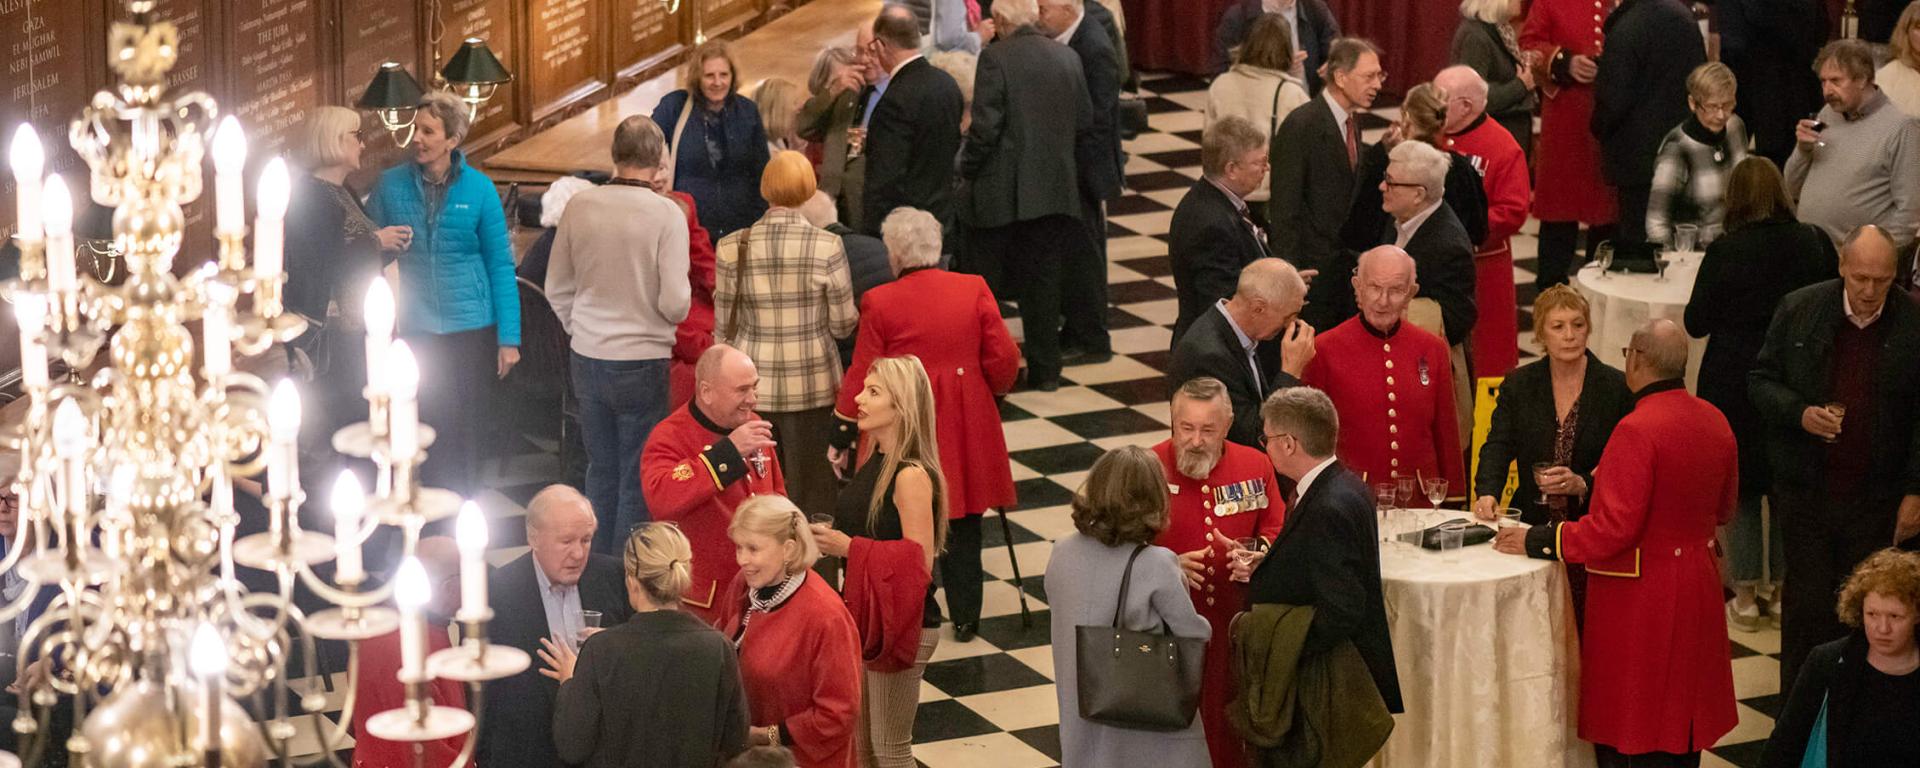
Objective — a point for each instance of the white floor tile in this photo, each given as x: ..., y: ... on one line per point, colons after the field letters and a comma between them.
x: 1067, y: 400
x: 1162, y: 312
x: 993, y: 750
x: 1019, y: 708
x: 1033, y: 554
x: 1135, y: 247
x: 1120, y: 368
x: 1146, y: 338
x: 1037, y: 433
x: 1154, y: 223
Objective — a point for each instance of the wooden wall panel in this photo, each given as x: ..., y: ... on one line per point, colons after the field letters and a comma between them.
x: 50, y: 52
x: 644, y: 35
x: 275, y: 63
x: 566, y: 53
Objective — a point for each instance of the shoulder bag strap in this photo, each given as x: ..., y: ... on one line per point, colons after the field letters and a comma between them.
x: 1126, y: 581
x: 739, y: 284
x: 679, y: 131
x: 1273, y: 116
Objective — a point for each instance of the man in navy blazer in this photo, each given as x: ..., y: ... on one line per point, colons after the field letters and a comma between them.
x: 542, y: 595
x: 1314, y: 29
x: 1253, y: 342
x: 1214, y: 234
x: 1314, y: 154
x: 913, y: 132
x: 1097, y: 156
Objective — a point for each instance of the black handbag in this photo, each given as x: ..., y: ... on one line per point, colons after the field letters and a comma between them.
x: 1144, y: 681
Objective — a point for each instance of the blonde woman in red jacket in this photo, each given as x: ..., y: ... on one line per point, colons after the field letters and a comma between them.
x: 890, y: 523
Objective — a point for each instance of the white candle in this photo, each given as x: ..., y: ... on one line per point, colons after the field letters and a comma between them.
x: 404, y: 378
x: 268, y: 227
x: 283, y: 432
x: 229, y: 161
x: 58, y: 218
x: 30, y: 314
x: 207, y: 659
x: 411, y: 591
x: 470, y: 530
x: 216, y: 330
x: 379, y: 316
x: 29, y: 161
x: 348, y: 502
x: 70, y: 446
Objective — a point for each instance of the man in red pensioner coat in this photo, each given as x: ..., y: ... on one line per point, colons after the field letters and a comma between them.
x: 1390, y: 381
x: 706, y: 458
x: 1218, y: 492
x: 1656, y: 684
x: 1503, y: 174
x: 1562, y: 41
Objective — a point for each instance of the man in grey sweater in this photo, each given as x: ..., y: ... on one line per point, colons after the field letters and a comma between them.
x: 1858, y: 161
x: 618, y: 282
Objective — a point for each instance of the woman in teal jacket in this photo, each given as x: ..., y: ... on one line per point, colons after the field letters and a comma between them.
x: 459, y: 309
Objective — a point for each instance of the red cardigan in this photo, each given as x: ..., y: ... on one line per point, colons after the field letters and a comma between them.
x: 801, y: 668
x: 379, y: 686
x: 887, y: 593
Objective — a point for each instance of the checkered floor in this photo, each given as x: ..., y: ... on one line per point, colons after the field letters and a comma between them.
x: 989, y: 703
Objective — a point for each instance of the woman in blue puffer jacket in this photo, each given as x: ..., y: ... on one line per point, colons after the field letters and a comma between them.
x: 459, y: 309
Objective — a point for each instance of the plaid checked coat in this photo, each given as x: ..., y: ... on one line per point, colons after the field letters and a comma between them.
x: 795, y: 299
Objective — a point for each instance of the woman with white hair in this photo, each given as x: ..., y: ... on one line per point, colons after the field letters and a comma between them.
x: 1487, y: 42
x: 952, y: 323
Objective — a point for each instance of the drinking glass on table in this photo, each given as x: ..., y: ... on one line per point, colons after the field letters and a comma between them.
x: 1436, y: 488
x: 1510, y: 517
x: 1242, y: 552
x: 1540, y: 469
x: 1403, y: 489
x: 1839, y: 411
x: 1686, y: 237
x: 1603, y: 255
x: 1450, y: 537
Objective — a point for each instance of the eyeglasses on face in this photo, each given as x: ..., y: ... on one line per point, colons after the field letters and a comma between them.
x: 1265, y: 438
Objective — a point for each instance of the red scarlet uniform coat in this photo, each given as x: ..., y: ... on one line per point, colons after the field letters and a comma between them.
x: 1394, y: 394
x: 1503, y: 173
x: 800, y: 664
x: 692, y: 476
x: 1569, y: 154
x: 952, y: 323
x: 1653, y: 662
x: 695, y: 333
x: 1239, y: 498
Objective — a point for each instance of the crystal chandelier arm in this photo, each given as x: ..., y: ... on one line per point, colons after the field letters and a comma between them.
x: 342, y: 597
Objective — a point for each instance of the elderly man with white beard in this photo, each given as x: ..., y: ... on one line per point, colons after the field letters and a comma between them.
x: 1219, y: 493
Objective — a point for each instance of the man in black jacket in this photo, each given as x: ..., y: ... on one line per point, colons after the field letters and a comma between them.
x: 541, y: 595
x: 1314, y: 29
x: 1233, y: 342
x: 1328, y: 555
x: 1214, y: 234
x: 1031, y: 113
x: 1314, y: 154
x: 1639, y: 95
x: 1098, y: 156
x: 913, y: 131
x: 1835, y: 386
x: 1428, y: 230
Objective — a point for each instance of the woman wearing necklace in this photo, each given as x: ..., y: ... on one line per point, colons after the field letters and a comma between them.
x: 891, y: 522
x: 459, y: 304
x: 1690, y: 173
x: 719, y: 146
x: 799, y: 652
x: 1859, y: 696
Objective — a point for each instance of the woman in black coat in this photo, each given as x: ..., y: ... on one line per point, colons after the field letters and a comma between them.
x: 1765, y: 255
x: 662, y: 689
x: 1423, y: 116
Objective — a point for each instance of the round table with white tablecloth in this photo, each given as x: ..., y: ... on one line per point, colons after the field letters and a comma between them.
x: 1488, y: 659
x: 1624, y: 301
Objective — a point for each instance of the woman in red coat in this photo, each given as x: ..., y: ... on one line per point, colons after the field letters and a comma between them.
x: 695, y: 333
x: 1562, y: 41
x: 952, y: 323
x: 799, y: 651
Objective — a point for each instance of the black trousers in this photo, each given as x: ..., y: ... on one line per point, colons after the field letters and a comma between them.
x: 1608, y: 757
x: 1079, y: 332
x: 1558, y: 240
x: 1050, y: 268
x: 1631, y: 227
x: 960, y: 569
x: 457, y: 375
x: 1824, y: 539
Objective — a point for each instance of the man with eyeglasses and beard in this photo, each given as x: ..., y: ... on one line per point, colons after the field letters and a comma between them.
x: 1218, y: 493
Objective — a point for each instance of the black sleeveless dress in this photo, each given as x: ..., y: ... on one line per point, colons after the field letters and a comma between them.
x: 850, y: 518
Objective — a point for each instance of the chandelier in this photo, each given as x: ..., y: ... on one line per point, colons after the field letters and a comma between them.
x: 128, y: 465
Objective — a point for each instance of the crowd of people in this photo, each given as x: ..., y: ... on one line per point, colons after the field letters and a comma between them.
x: 784, y: 337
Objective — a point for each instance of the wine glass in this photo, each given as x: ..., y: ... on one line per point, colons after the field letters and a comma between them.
x: 1603, y: 254
x: 1383, y: 504
x: 1242, y: 552
x: 1403, y: 488
x: 1436, y: 488
x: 1540, y: 468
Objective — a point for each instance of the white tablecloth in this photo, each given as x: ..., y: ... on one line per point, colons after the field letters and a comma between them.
x: 1622, y: 302
x: 1488, y: 659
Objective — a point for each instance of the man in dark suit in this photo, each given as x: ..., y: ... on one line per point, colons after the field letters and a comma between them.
x: 1021, y: 164
x: 1639, y: 96
x: 1097, y: 155
x: 1835, y: 386
x: 1314, y: 29
x: 1328, y: 554
x: 541, y: 596
x: 1314, y: 154
x: 840, y: 96
x: 913, y: 131
x: 1226, y: 343
x: 1426, y: 228
x: 1214, y: 235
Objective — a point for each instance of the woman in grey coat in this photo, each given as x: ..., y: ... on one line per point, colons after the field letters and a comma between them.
x: 1122, y: 506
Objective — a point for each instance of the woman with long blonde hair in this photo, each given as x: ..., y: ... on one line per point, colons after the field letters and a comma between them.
x: 890, y: 525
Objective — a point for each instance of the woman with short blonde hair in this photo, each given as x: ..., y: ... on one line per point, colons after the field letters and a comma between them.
x: 1690, y: 172
x: 799, y: 651
x: 779, y: 100
x: 662, y: 665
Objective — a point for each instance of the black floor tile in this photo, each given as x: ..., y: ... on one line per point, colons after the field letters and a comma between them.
x: 1745, y: 755
x: 1154, y: 181
x: 1131, y: 204
x: 1041, y: 492
x: 1138, y: 291
x: 1011, y: 412
x: 1741, y: 651
x: 1115, y: 230
x: 1173, y: 83
x: 1135, y: 392
x: 1044, y: 739
x: 1034, y: 584
x: 1193, y: 136
x: 1156, y: 360
x: 1053, y: 460
x: 1767, y: 704
x: 992, y: 535
x: 1007, y: 633
x: 1099, y: 424
x: 1160, y: 106
x: 1179, y: 158
x: 1151, y: 266
x: 948, y: 719
x: 975, y: 675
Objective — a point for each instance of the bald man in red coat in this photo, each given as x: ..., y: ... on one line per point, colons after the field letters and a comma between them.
x: 703, y: 460
x: 1503, y: 174
x: 1656, y: 685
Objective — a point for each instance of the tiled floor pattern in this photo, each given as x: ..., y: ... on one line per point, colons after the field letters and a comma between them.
x: 989, y: 703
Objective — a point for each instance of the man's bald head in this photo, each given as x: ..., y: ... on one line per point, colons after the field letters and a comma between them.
x: 1386, y: 262
x: 1383, y: 284
x: 1662, y: 349
x: 1466, y: 96
x: 1267, y: 298
x: 726, y: 386
x: 1872, y: 243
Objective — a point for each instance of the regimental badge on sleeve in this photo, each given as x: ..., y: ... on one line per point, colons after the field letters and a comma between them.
x: 683, y: 472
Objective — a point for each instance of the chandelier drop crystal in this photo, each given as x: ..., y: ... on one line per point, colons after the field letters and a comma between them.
x: 128, y: 465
